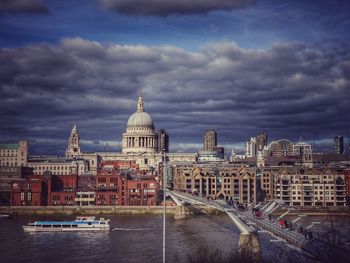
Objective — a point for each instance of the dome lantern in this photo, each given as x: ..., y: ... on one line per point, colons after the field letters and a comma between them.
x: 140, y: 103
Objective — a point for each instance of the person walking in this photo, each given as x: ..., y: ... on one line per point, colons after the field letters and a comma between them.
x: 286, y: 224
x: 281, y: 223
x: 310, y: 235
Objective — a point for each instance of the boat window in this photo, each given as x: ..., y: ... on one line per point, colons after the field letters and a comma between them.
x: 74, y: 225
x: 46, y: 225
x: 89, y: 223
x: 57, y: 226
x: 103, y: 223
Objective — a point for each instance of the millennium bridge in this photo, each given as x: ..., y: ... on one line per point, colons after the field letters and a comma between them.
x: 252, y: 227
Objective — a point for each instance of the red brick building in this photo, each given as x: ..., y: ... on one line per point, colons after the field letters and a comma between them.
x: 110, y: 187
x: 347, y: 184
x: 62, y: 190
x: 32, y: 191
x: 62, y: 199
x: 108, y: 184
x: 142, y: 192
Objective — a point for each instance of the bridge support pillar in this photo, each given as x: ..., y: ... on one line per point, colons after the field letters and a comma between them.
x: 249, y: 247
x: 180, y: 212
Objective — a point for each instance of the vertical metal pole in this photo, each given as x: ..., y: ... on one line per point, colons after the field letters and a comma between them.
x: 164, y: 207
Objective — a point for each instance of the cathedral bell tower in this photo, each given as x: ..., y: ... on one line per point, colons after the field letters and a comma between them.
x: 73, y: 148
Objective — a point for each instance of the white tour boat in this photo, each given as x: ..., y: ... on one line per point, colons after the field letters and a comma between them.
x: 79, y: 224
x: 4, y: 216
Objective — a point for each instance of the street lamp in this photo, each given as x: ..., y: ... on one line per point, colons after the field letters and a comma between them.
x: 164, y: 207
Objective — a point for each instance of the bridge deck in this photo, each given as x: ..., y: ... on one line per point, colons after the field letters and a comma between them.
x: 262, y: 225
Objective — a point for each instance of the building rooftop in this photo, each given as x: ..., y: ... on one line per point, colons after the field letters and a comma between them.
x: 9, y: 146
x: 52, y: 159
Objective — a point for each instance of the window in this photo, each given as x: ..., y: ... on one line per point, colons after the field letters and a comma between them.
x: 56, y: 198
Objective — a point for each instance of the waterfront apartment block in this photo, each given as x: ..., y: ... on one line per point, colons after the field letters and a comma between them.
x: 347, y: 184
x: 14, y: 154
x: 292, y: 185
x: 225, y: 181
x: 309, y: 187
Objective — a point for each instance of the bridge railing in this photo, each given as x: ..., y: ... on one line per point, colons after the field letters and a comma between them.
x: 287, y: 236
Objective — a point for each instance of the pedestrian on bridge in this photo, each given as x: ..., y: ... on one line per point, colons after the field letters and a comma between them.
x: 281, y: 223
x: 310, y: 235
x: 301, y: 229
x: 270, y: 217
x: 306, y: 234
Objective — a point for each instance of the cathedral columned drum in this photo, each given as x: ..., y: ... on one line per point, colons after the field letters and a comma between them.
x: 140, y: 136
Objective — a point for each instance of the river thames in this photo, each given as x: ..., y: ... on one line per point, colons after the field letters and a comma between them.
x: 132, y: 239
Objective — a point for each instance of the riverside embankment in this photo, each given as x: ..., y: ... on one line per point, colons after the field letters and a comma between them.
x: 86, y: 210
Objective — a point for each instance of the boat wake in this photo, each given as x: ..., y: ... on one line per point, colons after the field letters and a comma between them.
x: 130, y: 229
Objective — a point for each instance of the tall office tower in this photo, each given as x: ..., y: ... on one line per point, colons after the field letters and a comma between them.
x: 261, y: 141
x: 250, y: 147
x: 338, y: 144
x: 210, y: 140
x: 163, y: 140
x: 301, y: 148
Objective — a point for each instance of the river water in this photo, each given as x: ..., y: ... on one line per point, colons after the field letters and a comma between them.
x: 143, y: 243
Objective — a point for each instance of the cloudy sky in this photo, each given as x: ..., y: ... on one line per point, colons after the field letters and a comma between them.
x: 237, y: 66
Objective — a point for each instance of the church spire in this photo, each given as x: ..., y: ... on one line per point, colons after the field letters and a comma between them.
x: 140, y: 103
x: 74, y: 129
x: 73, y: 148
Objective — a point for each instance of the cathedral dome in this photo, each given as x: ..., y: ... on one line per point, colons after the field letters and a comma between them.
x: 140, y: 119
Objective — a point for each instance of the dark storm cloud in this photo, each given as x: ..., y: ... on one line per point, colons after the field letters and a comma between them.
x: 239, y: 92
x: 22, y: 6
x: 166, y: 7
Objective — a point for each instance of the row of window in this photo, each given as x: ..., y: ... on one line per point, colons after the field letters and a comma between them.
x: 46, y: 168
x: 103, y: 197
x: 55, y: 173
x: 29, y: 196
x: 315, y: 192
x: 316, y: 198
x: 315, y: 187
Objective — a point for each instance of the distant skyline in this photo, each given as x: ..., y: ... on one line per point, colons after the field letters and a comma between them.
x: 240, y: 67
